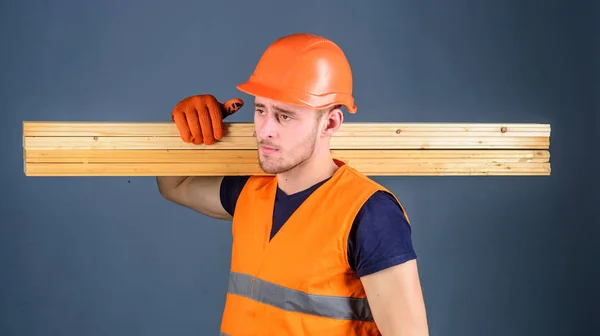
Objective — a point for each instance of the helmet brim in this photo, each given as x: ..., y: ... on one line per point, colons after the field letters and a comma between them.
x: 294, y: 97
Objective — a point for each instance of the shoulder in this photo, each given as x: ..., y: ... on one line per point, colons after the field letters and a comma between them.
x: 230, y: 190
x: 380, y: 236
x: 234, y: 181
x: 383, y: 200
x: 382, y: 206
x: 379, y: 196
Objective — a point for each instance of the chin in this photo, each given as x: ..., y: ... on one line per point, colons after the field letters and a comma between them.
x: 277, y: 166
x: 272, y: 166
x: 269, y: 167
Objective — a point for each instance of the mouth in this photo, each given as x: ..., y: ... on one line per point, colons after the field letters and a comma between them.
x: 267, y: 149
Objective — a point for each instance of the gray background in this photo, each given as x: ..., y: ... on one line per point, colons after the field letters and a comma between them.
x: 109, y: 256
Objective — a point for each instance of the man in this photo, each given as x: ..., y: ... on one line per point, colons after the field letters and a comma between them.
x: 318, y: 248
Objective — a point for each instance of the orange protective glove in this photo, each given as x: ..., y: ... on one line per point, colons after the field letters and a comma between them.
x: 200, y: 118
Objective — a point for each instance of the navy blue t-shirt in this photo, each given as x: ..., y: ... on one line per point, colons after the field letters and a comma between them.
x: 380, y: 236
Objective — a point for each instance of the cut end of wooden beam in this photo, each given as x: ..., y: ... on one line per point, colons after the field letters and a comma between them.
x: 387, y: 149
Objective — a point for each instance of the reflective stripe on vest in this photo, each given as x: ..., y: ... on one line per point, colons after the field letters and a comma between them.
x: 337, y: 307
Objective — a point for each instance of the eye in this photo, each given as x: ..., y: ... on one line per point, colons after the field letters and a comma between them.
x: 259, y: 111
x: 285, y: 117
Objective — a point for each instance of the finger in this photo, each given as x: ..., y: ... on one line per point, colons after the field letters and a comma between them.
x: 231, y: 106
x: 191, y: 113
x: 182, y: 125
x: 205, y: 123
x: 216, y: 118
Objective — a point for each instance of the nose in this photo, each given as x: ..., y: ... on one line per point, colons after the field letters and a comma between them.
x: 266, y: 127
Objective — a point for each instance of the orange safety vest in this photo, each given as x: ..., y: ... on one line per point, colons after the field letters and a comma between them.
x: 300, y: 282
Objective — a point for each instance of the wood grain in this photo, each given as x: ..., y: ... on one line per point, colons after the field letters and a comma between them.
x: 376, y: 149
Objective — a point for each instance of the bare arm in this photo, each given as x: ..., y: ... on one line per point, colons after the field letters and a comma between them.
x: 396, y: 300
x: 200, y: 193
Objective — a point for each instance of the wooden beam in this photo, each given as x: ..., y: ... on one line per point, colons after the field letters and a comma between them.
x: 376, y: 149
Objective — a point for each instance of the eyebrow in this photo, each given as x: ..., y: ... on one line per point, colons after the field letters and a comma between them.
x: 278, y: 109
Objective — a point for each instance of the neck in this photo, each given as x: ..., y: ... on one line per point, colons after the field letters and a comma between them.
x: 316, y: 169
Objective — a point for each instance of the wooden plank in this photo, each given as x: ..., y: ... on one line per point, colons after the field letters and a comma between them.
x: 363, y: 129
x: 230, y: 142
x: 376, y: 149
x: 245, y: 156
x: 368, y: 167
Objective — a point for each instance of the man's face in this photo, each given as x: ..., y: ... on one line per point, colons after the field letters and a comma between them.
x: 286, y: 135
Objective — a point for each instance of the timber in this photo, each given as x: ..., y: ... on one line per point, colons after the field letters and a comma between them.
x: 76, y: 148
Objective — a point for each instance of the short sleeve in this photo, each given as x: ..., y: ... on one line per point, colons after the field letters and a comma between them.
x: 380, y: 236
x: 231, y: 188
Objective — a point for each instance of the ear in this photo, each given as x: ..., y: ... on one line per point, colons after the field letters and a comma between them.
x: 332, y: 120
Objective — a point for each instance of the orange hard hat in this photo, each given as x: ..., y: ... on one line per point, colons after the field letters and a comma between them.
x: 303, y: 69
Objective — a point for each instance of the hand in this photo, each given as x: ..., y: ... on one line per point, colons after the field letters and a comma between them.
x: 200, y: 118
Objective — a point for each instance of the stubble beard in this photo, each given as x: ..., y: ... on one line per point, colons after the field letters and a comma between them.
x: 281, y: 165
